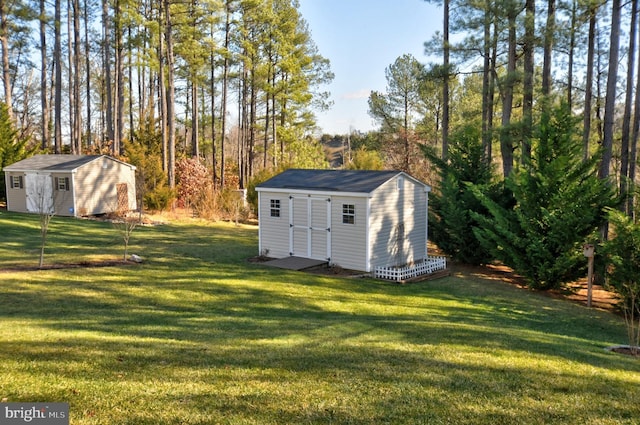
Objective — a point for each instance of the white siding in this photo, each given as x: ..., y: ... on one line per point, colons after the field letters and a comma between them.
x: 274, y: 231
x: 16, y: 197
x: 95, y: 186
x: 348, y: 241
x: 63, y: 198
x: 398, y: 223
x: 389, y: 227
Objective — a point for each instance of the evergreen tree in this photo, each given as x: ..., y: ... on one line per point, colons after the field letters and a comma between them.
x: 450, y: 221
x: 559, y: 203
x: 13, y: 148
x: 623, y: 271
x: 399, y: 108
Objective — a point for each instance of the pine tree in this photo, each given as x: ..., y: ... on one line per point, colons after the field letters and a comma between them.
x: 559, y: 203
x: 450, y: 208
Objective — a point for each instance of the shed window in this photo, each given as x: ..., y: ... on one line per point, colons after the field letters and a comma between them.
x: 275, y: 208
x: 348, y: 214
x: 16, y: 182
x: 62, y: 183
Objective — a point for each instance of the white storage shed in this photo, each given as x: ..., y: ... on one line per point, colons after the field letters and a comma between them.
x: 356, y: 219
x: 71, y: 185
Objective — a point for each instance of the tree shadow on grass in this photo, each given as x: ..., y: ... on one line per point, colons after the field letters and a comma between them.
x: 259, y: 345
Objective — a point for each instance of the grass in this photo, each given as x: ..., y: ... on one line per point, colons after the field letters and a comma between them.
x: 197, y: 335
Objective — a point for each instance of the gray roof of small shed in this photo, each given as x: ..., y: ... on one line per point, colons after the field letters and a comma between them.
x: 60, y: 163
x: 354, y: 181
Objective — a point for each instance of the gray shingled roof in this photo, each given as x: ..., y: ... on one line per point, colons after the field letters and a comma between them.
x: 355, y: 181
x: 51, y: 163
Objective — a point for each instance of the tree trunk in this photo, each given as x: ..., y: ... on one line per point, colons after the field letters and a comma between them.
x: 195, y: 124
x: 73, y: 143
x: 171, y: 123
x: 87, y: 58
x: 405, y: 136
x: 243, y: 118
x: 588, y: 94
x: 267, y: 115
x: 44, y: 91
x: 506, y: 143
x: 119, y: 77
x: 527, y: 106
x: 214, y: 161
x: 162, y: 88
x: 445, y: 85
x: 492, y: 90
x: 225, y: 82
x: 628, y: 105
x: 610, y: 97
x: 486, y: 76
x: 549, y: 35
x: 633, y: 148
x: 252, y: 125
x: 140, y: 79
x: 274, y: 123
x: 57, y: 58
x: 6, y: 68
x: 572, y: 48
x: 77, y: 102
x: 107, y: 71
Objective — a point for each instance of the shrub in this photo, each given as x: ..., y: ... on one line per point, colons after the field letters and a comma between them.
x: 160, y: 198
x: 451, y: 205
x: 193, y: 181
x: 559, y: 203
x: 260, y: 177
x: 623, y: 273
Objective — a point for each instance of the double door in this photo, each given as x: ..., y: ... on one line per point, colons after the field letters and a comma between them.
x: 310, y: 227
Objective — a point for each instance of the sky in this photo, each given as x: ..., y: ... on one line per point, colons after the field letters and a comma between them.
x: 361, y: 38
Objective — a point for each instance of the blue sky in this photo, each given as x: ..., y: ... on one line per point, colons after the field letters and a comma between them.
x: 362, y: 38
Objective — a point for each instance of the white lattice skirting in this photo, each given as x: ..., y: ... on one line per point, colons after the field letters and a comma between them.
x: 399, y: 274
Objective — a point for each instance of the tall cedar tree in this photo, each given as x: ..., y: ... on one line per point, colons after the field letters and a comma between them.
x: 450, y: 208
x: 13, y: 147
x: 559, y: 203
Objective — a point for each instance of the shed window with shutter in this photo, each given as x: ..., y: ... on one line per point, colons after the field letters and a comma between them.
x: 62, y: 183
x: 16, y: 182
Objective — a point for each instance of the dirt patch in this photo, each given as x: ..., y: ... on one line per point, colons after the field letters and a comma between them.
x: 82, y: 264
x: 574, y: 292
x: 627, y: 350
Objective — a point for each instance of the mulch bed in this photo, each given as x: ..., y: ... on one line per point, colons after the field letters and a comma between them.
x: 626, y: 350
x: 82, y: 264
x: 575, y: 292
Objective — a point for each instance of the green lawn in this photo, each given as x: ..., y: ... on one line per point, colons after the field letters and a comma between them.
x: 198, y: 335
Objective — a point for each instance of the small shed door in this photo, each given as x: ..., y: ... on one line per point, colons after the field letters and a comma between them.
x: 39, y: 191
x: 123, y: 197
x: 310, y: 227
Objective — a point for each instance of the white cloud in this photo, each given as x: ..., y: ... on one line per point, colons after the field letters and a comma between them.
x: 356, y: 95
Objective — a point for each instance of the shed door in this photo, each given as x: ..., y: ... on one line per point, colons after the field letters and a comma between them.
x: 39, y: 191
x: 310, y: 227
x: 123, y: 197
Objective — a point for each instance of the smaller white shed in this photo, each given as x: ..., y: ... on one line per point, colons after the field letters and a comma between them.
x: 70, y: 185
x: 356, y: 219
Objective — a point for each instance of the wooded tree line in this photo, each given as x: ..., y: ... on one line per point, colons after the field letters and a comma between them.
x: 226, y: 81
x: 503, y: 65
x: 529, y: 123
